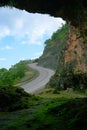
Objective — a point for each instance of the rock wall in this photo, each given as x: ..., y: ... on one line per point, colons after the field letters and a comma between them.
x: 72, y: 64
x: 76, y: 50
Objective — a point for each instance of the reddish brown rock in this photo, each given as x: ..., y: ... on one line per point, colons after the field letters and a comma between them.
x: 75, y: 50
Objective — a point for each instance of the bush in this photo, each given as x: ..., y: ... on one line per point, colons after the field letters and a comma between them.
x: 13, y: 98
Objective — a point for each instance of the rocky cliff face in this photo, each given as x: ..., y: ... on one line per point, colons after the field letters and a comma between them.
x: 64, y: 48
x: 72, y: 63
x: 76, y: 51
x: 53, y: 55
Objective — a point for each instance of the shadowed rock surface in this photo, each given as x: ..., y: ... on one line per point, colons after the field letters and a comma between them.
x: 70, y: 10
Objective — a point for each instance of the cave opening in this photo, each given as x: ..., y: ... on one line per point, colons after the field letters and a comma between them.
x: 23, y: 34
x: 73, y: 12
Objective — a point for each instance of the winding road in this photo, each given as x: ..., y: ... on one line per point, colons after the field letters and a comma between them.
x: 40, y: 82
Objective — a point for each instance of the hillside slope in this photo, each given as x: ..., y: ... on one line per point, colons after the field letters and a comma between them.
x: 65, y: 53
x: 18, y: 73
x: 53, y: 48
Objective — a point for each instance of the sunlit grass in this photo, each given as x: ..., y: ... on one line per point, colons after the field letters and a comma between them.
x: 29, y: 76
x: 68, y: 94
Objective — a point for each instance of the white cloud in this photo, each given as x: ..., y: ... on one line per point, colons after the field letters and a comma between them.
x: 4, y: 31
x: 3, y: 59
x: 21, y: 24
x: 6, y: 48
x: 45, y: 25
x: 24, y: 42
x: 37, y: 55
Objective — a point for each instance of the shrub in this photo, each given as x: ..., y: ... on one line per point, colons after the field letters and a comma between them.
x: 13, y: 98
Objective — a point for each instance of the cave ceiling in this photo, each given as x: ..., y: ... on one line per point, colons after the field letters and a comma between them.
x: 73, y: 11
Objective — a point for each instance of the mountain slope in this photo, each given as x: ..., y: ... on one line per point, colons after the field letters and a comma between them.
x: 54, y: 48
x: 65, y: 53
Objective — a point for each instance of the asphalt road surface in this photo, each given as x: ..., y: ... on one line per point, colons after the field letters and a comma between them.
x: 40, y: 81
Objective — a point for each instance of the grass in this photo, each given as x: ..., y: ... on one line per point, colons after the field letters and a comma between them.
x: 29, y: 76
x: 62, y: 111
x: 57, y: 115
x: 68, y: 94
x: 24, y: 119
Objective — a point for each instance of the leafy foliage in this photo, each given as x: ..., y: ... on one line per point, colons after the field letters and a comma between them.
x: 5, y: 77
x: 14, y: 74
x: 13, y: 98
x: 57, y: 115
x: 54, y: 48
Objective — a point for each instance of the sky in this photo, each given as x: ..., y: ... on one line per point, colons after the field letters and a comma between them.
x: 22, y: 34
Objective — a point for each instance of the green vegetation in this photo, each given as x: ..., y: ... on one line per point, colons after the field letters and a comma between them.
x: 54, y: 49
x: 19, y: 72
x: 54, y: 110
x: 60, y: 112
x: 14, y: 98
x: 51, y: 93
x: 63, y: 116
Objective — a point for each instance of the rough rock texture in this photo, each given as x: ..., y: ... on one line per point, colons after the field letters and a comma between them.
x: 76, y: 50
x: 72, y: 72
x: 71, y: 10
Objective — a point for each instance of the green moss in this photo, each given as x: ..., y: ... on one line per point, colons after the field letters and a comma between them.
x: 66, y: 115
x: 62, y: 113
x: 14, y: 98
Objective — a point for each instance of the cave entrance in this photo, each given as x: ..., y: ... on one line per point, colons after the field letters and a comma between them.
x: 22, y: 34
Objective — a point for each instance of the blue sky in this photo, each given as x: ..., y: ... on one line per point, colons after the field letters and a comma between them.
x: 22, y: 34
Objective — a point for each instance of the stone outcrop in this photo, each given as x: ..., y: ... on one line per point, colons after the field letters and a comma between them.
x: 76, y: 50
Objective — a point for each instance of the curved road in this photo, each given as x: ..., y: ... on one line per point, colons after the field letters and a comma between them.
x: 40, y: 81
